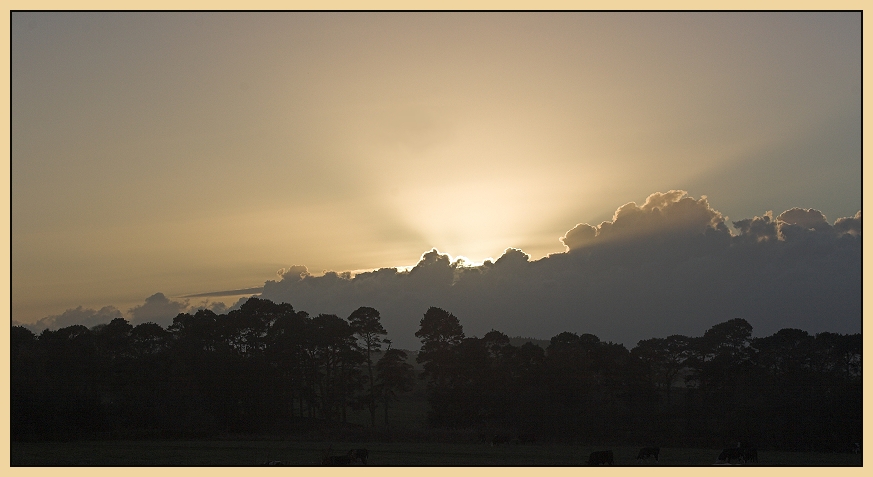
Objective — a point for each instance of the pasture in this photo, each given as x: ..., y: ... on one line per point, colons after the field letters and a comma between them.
x: 218, y: 453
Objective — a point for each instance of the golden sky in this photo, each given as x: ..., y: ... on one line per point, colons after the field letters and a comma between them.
x: 186, y: 153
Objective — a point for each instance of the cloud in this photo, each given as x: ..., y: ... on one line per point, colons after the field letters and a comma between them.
x: 157, y: 309
x: 579, y: 236
x: 668, y: 266
x: 808, y: 218
x: 758, y: 228
x: 75, y: 316
x: 670, y: 213
x: 241, y: 291
x: 849, y: 225
x: 294, y: 271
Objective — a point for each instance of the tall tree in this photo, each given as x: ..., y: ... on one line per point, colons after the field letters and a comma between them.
x: 289, y: 342
x: 393, y: 375
x: 366, y: 325
x: 439, y: 332
x: 664, y: 359
x: 336, y: 357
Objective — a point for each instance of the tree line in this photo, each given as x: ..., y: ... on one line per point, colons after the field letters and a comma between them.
x: 266, y: 368
x: 788, y: 391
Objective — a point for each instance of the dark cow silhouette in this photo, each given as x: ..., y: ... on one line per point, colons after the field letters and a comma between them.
x: 731, y: 453
x: 600, y: 457
x: 273, y: 462
x: 359, y: 455
x: 647, y: 452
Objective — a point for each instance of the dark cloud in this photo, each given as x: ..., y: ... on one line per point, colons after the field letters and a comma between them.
x: 75, y: 316
x: 669, y: 266
x: 758, y: 228
x: 294, y: 271
x: 241, y: 291
x: 670, y: 213
x: 849, y: 225
x: 157, y: 309
x: 808, y: 218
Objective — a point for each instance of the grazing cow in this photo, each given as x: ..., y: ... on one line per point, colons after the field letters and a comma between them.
x: 647, y: 452
x: 731, y: 453
x: 600, y: 457
x: 359, y: 455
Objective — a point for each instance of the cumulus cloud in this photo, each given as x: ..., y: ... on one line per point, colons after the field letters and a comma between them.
x: 758, y: 228
x: 294, y: 271
x: 157, y: 309
x: 75, y: 316
x: 670, y: 213
x: 849, y: 225
x: 797, y: 224
x: 808, y: 218
x: 579, y: 236
x: 668, y: 266
x: 217, y: 307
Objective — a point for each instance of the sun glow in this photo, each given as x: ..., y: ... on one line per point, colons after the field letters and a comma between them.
x: 473, y: 218
x: 459, y: 260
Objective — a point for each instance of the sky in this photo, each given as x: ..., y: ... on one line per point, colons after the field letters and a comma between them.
x: 164, y: 161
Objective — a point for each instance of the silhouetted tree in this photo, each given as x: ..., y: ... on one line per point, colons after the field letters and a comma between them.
x: 21, y: 342
x: 148, y: 339
x: 527, y: 391
x: 244, y: 331
x: 439, y: 332
x: 366, y: 325
x: 195, y: 333
x: 244, y: 372
x: 664, y: 359
x: 393, y: 375
x: 336, y: 355
x: 290, y: 345
x: 719, y: 355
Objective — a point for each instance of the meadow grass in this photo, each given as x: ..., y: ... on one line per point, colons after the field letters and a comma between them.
x: 408, y: 418
x: 217, y: 453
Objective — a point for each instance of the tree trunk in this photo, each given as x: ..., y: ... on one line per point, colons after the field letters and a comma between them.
x: 386, y: 413
x: 372, y: 391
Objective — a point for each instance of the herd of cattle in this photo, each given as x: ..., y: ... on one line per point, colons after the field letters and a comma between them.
x: 739, y: 453
x: 745, y: 454
x: 604, y: 457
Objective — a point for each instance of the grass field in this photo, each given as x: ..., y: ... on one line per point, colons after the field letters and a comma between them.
x: 253, y: 453
x: 408, y: 417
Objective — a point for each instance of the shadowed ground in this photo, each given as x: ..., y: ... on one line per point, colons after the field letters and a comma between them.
x: 252, y: 453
